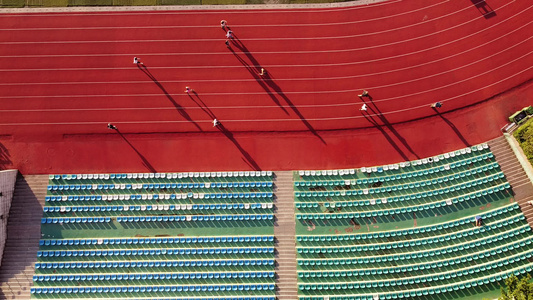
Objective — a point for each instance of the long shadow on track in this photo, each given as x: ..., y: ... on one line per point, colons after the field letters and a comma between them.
x: 377, y: 112
x: 247, y: 158
x: 386, y: 135
x: 146, y: 163
x: 180, y: 108
x: 196, y: 99
x: 452, y: 126
x: 267, y: 83
x: 5, y: 157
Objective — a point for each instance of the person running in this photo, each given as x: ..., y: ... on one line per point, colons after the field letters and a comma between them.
x: 137, y: 61
x: 223, y: 24
x: 363, y: 108
x: 229, y: 34
x: 215, y: 123
x: 111, y: 126
x: 188, y: 89
x: 364, y: 94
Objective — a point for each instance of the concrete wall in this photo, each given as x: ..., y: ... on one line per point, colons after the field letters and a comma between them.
x: 7, y: 188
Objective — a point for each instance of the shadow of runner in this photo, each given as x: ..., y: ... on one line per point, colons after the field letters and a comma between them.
x: 5, y: 158
x: 269, y: 80
x: 385, y: 134
x: 484, y: 8
x: 386, y: 122
x: 202, y: 105
x: 452, y: 126
x: 253, y: 71
x: 146, y: 163
x: 247, y: 158
x: 270, y: 84
x: 180, y: 108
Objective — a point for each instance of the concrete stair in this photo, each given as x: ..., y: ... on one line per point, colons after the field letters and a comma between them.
x: 285, y: 231
x: 23, y: 234
x: 515, y: 175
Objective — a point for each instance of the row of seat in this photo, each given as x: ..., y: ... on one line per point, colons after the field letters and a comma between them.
x: 155, y: 264
x: 156, y: 186
x: 433, y: 267
x: 166, y: 207
x: 406, y: 232
x: 392, y: 167
x: 425, y: 291
x: 152, y: 252
x: 155, y: 241
x: 407, y: 176
x: 407, y: 209
x: 419, y: 254
x: 409, y: 190
x: 149, y: 289
x: 189, y: 218
x: 153, y: 276
x: 413, y: 242
x: 456, y: 275
x: 75, y: 220
x: 158, y: 196
x: 426, y: 198
x: 160, y: 175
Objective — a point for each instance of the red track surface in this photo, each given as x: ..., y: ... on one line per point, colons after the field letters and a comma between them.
x: 64, y: 76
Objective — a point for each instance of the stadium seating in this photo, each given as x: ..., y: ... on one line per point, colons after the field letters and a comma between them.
x: 157, y: 235
x: 408, y: 230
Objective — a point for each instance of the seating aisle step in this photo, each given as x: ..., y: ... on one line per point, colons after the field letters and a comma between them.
x: 284, y: 231
x: 515, y: 175
x: 22, y: 243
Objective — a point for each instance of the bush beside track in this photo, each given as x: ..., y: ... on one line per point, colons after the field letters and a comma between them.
x: 65, y: 3
x: 524, y: 136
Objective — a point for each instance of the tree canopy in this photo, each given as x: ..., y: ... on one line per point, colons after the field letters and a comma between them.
x: 517, y: 289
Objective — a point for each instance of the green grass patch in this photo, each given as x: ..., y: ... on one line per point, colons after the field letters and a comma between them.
x: 524, y: 136
x: 12, y: 3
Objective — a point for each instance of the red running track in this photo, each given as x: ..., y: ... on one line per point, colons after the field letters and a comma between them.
x: 64, y: 76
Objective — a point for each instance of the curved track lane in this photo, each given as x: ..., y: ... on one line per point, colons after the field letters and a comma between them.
x: 66, y: 75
